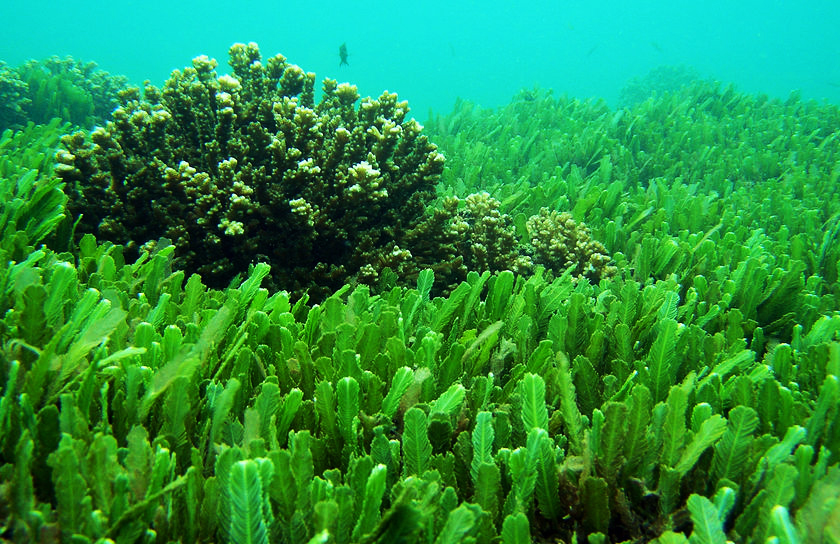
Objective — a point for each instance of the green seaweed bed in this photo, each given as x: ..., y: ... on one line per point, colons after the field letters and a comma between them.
x: 591, y: 325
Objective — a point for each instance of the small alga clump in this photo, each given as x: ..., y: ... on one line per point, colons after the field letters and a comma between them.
x: 246, y: 167
x: 560, y: 242
x: 486, y: 236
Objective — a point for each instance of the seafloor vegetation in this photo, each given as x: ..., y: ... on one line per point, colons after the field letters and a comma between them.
x: 592, y: 325
x: 39, y: 90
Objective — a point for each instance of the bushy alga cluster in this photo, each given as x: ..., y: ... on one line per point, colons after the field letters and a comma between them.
x: 246, y: 167
x: 486, y: 236
x: 477, y: 235
x: 559, y: 242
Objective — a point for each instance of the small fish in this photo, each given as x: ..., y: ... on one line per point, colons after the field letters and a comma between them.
x: 342, y: 52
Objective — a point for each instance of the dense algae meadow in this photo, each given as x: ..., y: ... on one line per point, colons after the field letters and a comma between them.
x: 240, y: 310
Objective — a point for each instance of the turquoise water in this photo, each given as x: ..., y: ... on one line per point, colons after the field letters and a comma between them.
x: 433, y: 52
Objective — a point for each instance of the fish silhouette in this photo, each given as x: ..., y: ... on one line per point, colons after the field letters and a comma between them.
x: 342, y: 52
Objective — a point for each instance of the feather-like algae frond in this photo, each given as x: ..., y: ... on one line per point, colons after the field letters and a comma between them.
x: 245, y: 488
x: 417, y: 450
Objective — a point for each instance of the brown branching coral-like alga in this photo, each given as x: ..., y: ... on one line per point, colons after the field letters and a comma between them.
x: 246, y: 167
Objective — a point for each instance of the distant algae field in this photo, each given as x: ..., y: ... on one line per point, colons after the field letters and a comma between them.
x: 235, y: 309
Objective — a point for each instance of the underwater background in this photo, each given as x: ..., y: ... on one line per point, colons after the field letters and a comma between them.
x: 434, y: 51
x: 593, y: 298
